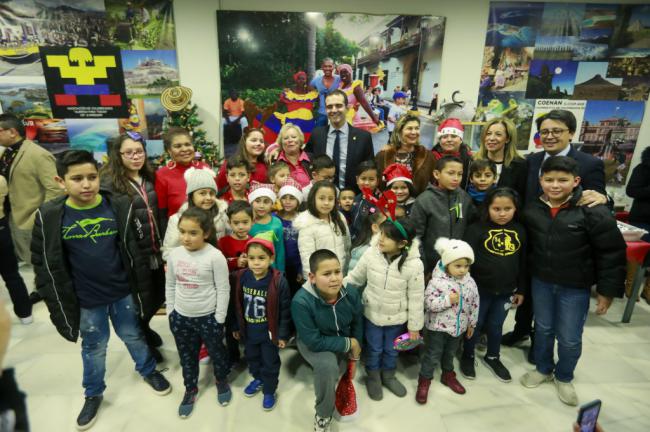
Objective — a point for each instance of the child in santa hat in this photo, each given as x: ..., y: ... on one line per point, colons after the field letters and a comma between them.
x: 450, y: 143
x: 261, y: 197
x: 399, y: 179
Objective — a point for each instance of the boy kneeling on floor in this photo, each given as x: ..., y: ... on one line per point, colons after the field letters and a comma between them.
x: 329, y: 326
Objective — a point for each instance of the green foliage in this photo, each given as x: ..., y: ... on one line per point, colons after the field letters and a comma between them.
x: 261, y: 50
x: 331, y: 43
x: 262, y: 98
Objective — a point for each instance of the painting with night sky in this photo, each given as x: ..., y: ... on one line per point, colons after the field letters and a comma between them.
x: 551, y: 79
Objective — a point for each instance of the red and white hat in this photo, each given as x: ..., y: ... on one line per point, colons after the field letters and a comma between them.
x: 261, y: 190
x: 397, y: 172
x: 451, y: 126
x: 291, y: 187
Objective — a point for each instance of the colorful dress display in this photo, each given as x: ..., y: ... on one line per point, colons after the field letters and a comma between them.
x: 299, y: 112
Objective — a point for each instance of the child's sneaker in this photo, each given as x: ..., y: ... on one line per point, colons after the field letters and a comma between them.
x: 204, y: 357
x: 158, y: 383
x: 187, y: 405
x: 467, y: 367
x: 322, y: 424
x: 88, y: 413
x: 534, y: 379
x: 497, y: 368
x: 224, y: 394
x: 253, y: 388
x: 269, y: 401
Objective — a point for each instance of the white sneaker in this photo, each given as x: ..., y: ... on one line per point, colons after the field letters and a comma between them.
x: 566, y: 393
x: 534, y: 379
x: 27, y: 320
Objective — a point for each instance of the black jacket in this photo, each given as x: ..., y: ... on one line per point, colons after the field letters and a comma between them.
x: 590, y: 169
x: 638, y: 187
x: 499, y: 257
x: 580, y: 247
x: 146, y: 226
x: 359, y: 149
x: 515, y: 176
x: 52, y: 270
x: 440, y: 213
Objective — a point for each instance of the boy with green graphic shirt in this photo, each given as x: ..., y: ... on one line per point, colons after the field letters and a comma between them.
x: 87, y: 269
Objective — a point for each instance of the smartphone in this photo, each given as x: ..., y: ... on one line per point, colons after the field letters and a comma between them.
x: 588, y: 415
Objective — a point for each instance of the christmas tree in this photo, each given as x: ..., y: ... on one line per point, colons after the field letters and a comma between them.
x: 188, y: 118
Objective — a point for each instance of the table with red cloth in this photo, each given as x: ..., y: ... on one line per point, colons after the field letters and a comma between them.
x: 636, y: 252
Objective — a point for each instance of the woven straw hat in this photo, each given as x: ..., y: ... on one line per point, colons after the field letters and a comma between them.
x: 175, y: 98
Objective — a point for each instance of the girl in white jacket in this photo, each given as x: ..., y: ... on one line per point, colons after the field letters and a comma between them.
x: 201, y: 193
x: 393, y: 273
x: 322, y: 226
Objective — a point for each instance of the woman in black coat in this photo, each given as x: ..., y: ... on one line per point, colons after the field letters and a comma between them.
x: 130, y: 179
x: 638, y: 187
x: 499, y: 145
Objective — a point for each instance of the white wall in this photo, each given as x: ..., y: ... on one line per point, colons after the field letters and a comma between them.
x: 462, y: 54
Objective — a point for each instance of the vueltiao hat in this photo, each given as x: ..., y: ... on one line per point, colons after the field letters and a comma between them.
x: 175, y: 98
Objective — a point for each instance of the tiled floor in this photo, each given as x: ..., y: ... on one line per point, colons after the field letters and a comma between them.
x: 615, y: 367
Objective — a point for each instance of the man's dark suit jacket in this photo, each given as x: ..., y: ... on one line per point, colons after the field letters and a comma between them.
x: 359, y: 149
x: 590, y: 169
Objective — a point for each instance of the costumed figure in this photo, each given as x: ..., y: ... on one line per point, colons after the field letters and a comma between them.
x: 356, y: 98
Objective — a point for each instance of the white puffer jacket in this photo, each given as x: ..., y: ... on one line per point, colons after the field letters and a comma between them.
x: 172, y: 237
x: 315, y: 233
x: 391, y: 296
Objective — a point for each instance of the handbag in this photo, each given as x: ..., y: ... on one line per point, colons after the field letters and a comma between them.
x: 346, y: 396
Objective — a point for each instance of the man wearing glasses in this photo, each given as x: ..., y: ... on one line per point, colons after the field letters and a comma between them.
x: 556, y: 129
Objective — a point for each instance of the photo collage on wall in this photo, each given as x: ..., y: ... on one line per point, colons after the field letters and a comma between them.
x: 78, y: 73
x: 590, y: 59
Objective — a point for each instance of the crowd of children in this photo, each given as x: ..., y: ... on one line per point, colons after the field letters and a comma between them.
x: 345, y: 272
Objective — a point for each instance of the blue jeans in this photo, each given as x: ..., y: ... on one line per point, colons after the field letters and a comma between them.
x: 560, y: 312
x: 491, y: 315
x: 94, y: 338
x: 379, y: 341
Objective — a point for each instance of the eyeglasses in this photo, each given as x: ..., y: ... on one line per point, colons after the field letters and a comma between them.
x: 132, y: 154
x: 554, y: 132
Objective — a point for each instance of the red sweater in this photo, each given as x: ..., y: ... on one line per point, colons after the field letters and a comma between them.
x: 232, y: 248
x: 258, y: 175
x: 171, y: 187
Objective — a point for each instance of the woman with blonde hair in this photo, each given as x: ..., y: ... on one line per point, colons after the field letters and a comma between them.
x: 291, y: 142
x: 499, y: 145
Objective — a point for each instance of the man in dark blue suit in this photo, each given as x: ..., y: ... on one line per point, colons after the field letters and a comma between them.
x: 346, y: 145
x: 556, y: 129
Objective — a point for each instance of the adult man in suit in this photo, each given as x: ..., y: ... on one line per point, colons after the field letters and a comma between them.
x: 30, y: 171
x: 556, y: 129
x: 346, y: 145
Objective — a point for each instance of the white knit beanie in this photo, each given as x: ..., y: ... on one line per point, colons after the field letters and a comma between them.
x: 199, y: 178
x: 289, y: 189
x: 451, y: 250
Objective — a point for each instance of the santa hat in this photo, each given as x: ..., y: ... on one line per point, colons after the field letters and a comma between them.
x: 451, y: 126
x: 199, y: 178
x: 291, y: 187
x: 397, y: 172
x: 263, y: 238
x: 451, y: 250
x: 261, y: 190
